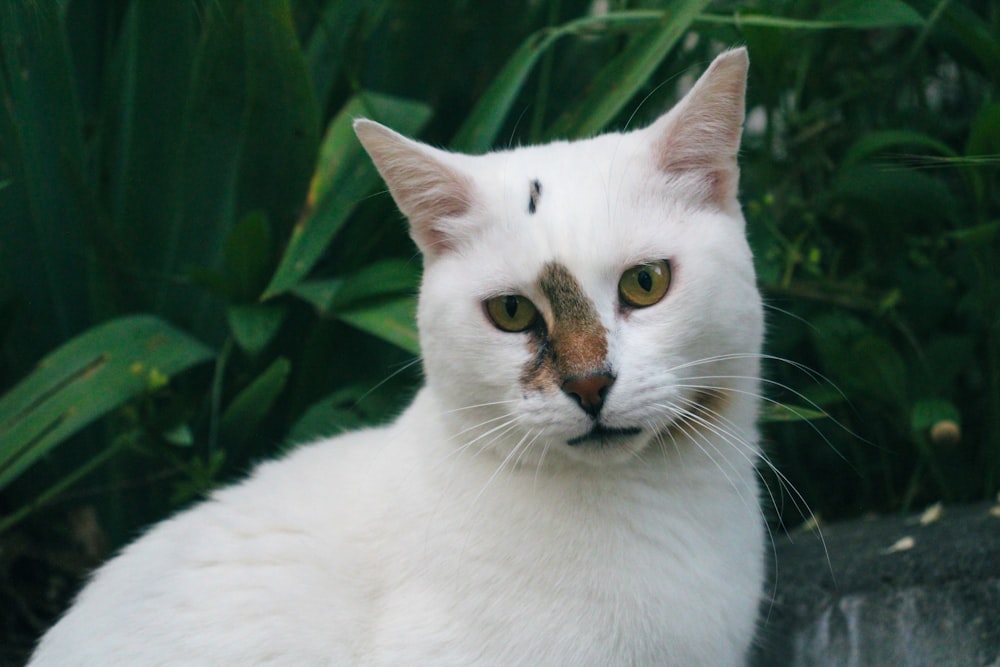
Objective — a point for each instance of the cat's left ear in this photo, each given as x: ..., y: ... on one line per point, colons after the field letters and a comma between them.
x: 701, y: 134
x: 428, y: 188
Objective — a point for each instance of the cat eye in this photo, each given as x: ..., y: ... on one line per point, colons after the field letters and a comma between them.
x: 644, y: 284
x: 511, y: 312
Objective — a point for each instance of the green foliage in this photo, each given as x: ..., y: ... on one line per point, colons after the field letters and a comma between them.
x: 194, y: 162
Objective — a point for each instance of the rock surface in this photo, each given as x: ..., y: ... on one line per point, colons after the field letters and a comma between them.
x: 901, y: 591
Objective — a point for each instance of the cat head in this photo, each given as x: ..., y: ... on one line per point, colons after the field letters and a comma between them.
x: 584, y: 300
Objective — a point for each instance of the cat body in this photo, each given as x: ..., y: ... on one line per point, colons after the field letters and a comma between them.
x: 574, y: 485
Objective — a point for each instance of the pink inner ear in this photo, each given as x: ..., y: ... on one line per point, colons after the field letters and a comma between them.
x: 427, y: 189
x: 702, y: 133
x: 428, y: 195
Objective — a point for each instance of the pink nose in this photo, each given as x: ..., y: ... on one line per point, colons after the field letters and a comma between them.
x: 589, y: 391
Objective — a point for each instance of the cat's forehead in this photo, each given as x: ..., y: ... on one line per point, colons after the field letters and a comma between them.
x: 582, y: 204
x: 564, y: 174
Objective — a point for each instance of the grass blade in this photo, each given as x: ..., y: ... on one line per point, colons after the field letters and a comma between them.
x: 85, y: 379
x: 344, y: 176
x: 481, y: 127
x: 620, y: 79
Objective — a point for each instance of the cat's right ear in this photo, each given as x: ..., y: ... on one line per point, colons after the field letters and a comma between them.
x: 430, y: 191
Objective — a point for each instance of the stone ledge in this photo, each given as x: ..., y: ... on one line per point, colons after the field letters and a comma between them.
x: 888, y: 591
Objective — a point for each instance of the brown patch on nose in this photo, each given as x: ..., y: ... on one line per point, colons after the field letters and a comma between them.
x: 575, y: 345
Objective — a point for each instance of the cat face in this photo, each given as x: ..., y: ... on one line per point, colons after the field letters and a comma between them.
x: 584, y: 300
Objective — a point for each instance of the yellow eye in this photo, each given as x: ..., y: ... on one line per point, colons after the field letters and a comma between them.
x: 511, y: 312
x: 644, y: 284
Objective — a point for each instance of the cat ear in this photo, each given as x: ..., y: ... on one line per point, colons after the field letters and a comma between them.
x: 701, y: 134
x: 429, y: 190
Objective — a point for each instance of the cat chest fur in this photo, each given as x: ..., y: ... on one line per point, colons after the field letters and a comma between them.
x: 560, y: 567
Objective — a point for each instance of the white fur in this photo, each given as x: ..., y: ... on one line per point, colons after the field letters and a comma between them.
x: 468, y: 531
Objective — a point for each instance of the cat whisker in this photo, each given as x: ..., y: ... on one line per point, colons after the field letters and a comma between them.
x: 732, y: 437
x: 503, y: 464
x: 500, y: 430
x: 767, y: 399
x: 479, y: 405
x: 541, y: 457
x: 524, y: 450
x: 477, y: 425
x: 812, y: 373
x: 788, y: 313
x: 406, y: 366
x: 683, y: 424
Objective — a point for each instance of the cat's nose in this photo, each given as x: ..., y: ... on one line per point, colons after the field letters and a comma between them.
x: 589, y: 391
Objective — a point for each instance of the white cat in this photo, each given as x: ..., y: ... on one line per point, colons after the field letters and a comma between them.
x: 575, y: 484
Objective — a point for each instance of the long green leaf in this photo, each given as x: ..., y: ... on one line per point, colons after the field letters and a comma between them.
x: 860, y: 14
x: 252, y: 405
x: 142, y: 131
x: 344, y: 176
x: 391, y: 277
x: 393, y: 321
x: 784, y: 412
x: 877, y: 143
x: 340, y: 24
x: 617, y: 82
x: 251, y: 135
x: 483, y: 123
x: 46, y: 214
x: 85, y: 379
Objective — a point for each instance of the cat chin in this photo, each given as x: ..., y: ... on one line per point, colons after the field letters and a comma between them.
x: 610, y: 451
x: 598, y: 448
x: 603, y: 436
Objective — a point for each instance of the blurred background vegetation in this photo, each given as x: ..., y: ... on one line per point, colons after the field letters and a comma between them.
x: 198, y: 265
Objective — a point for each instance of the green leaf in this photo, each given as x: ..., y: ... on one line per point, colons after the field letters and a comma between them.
x: 984, y: 136
x: 85, y: 379
x: 248, y: 257
x: 877, y: 143
x: 483, y: 123
x: 390, y: 277
x: 179, y: 435
x: 251, y: 406
x: 344, y: 175
x: 969, y: 32
x: 887, y: 195
x: 340, y: 24
x: 330, y: 415
x: 46, y: 215
x: 784, y: 412
x: 977, y: 235
x: 251, y: 136
x: 393, y: 321
x: 878, y: 368
x: 618, y: 81
x: 871, y: 14
x: 859, y: 14
x: 861, y: 361
x: 255, y: 326
x: 142, y: 126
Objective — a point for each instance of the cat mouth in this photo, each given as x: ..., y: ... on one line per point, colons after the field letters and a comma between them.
x: 602, y: 435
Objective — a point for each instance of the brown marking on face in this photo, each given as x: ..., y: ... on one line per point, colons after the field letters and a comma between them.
x: 574, y: 343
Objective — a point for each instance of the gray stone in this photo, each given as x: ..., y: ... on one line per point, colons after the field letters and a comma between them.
x: 888, y: 591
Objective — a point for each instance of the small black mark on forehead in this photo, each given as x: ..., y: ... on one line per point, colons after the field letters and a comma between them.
x: 535, y: 193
